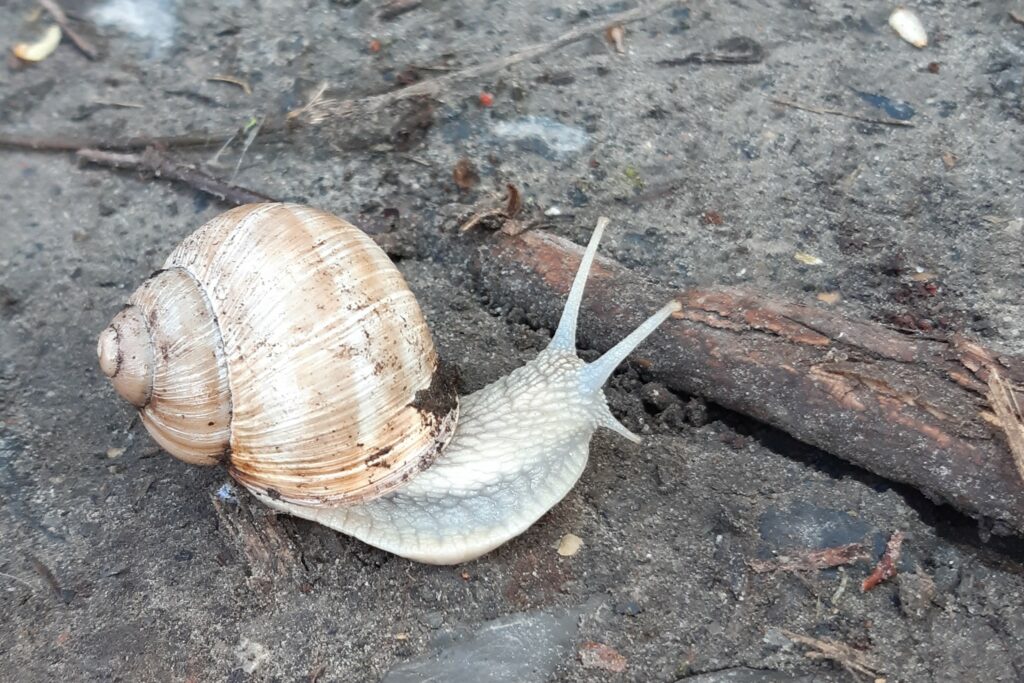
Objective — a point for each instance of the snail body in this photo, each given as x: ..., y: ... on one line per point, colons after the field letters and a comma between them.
x: 281, y: 341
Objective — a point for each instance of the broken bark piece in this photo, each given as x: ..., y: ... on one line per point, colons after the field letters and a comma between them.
x: 910, y: 409
x: 806, y: 560
x: 1008, y: 413
x: 259, y: 537
x: 886, y: 568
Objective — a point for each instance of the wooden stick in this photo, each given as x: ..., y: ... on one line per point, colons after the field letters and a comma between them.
x: 322, y: 109
x: 163, y: 166
x: 839, y: 112
x: 327, y: 108
x: 910, y: 409
x: 55, y: 10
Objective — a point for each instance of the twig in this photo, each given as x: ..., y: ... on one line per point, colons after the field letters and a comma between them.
x: 809, y: 560
x: 224, y: 78
x: 65, y: 595
x: 161, y: 165
x: 850, y: 659
x: 886, y: 568
x: 137, y: 143
x: 250, y: 137
x: 1003, y: 400
x: 19, y: 580
x: 396, y: 8
x: 1017, y: 17
x: 839, y: 112
x: 731, y: 51
x: 321, y: 109
x: 327, y: 108
x: 87, y: 48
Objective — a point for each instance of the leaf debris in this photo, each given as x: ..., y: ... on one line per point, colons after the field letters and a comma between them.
x: 854, y: 661
x: 1008, y: 413
x: 808, y: 559
x: 886, y: 568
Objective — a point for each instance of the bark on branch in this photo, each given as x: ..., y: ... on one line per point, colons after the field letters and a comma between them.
x: 910, y: 409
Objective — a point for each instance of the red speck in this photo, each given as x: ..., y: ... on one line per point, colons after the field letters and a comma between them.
x: 931, y: 288
x: 486, y: 99
x: 375, y: 46
x: 713, y: 218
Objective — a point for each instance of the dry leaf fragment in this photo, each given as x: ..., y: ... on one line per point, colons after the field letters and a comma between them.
x: 807, y: 259
x: 712, y: 217
x: 569, y: 545
x: 908, y: 26
x: 949, y: 160
x: 224, y: 78
x: 509, y: 225
x: 600, y: 656
x: 42, y: 48
x: 616, y: 35
x: 829, y: 297
x: 115, y: 452
x: 514, y: 201
x: 464, y: 174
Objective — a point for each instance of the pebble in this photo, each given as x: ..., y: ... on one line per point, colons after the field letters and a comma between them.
x: 916, y: 593
x: 519, y: 648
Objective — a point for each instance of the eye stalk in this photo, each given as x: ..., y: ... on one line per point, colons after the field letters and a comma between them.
x: 125, y: 352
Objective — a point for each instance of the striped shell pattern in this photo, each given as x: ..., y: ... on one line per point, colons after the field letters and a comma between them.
x: 282, y: 340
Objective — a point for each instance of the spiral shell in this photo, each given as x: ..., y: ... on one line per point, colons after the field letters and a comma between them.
x: 282, y: 340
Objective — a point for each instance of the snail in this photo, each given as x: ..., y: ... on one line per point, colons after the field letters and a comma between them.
x: 281, y: 341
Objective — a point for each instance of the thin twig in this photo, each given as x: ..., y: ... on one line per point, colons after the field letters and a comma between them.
x: 72, y: 143
x: 163, y: 166
x: 320, y: 109
x: 839, y: 112
x: 55, y: 10
x: 19, y: 580
x: 327, y: 108
x: 804, y: 560
x: 850, y: 659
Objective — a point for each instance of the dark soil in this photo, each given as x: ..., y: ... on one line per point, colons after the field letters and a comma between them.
x: 118, y: 562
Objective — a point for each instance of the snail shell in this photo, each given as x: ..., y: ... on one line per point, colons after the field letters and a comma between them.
x: 282, y: 340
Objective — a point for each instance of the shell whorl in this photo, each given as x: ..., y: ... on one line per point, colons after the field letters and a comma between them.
x: 333, y: 388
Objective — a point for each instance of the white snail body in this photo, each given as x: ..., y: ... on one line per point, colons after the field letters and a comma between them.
x: 282, y: 341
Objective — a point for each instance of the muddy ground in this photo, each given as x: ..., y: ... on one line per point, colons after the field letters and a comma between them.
x: 121, y: 563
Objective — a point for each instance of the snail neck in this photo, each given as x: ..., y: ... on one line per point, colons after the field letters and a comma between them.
x: 521, y: 444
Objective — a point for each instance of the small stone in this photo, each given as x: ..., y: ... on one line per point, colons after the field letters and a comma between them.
x: 696, y: 412
x: 630, y: 608
x: 916, y: 594
x: 600, y: 656
x: 115, y: 452
x: 433, y: 619
x: 183, y: 555
x: 251, y: 655
x: 496, y: 648
x: 569, y: 545
x: 656, y: 397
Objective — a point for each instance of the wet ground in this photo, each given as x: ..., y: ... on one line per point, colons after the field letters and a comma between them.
x: 120, y: 563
